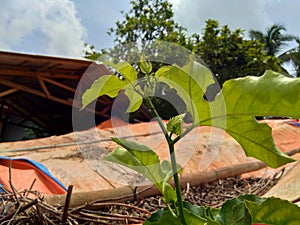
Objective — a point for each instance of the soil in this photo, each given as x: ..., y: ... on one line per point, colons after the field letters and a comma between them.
x: 29, y: 208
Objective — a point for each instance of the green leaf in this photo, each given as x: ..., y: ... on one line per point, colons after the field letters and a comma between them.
x: 162, y: 70
x: 235, y: 108
x: 146, y: 67
x: 256, y: 140
x: 175, y: 124
x: 235, y: 212
x: 190, y: 82
x: 272, y: 94
x: 139, y: 158
x: 169, y: 194
x: 166, y: 167
x: 130, y: 75
x: 135, y: 100
x: 155, y: 217
x: 164, y: 217
x: 111, y: 85
x: 200, y: 211
x: 194, y: 215
x: 274, y: 211
x: 142, y: 159
x: 106, y: 85
x: 127, y: 70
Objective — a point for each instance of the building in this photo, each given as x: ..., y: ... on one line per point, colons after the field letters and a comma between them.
x: 37, y: 94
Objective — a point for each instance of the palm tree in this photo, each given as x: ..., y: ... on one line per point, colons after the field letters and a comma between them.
x: 273, y: 39
x: 293, y: 56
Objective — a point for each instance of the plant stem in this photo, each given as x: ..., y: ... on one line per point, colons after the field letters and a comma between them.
x: 176, y: 181
x: 161, y: 124
x: 171, y: 144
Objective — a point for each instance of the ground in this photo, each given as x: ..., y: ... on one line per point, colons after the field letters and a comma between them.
x: 75, y: 158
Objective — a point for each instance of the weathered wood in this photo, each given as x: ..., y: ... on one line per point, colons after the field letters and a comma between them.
x: 44, y: 87
x: 122, y: 194
x: 27, y: 73
x: 8, y: 92
x: 68, y: 102
x: 59, y: 84
x: 34, y: 92
x: 128, y: 193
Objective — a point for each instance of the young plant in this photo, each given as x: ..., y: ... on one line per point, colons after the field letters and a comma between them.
x: 234, y: 110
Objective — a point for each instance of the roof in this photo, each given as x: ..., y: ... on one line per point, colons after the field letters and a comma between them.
x: 37, y: 89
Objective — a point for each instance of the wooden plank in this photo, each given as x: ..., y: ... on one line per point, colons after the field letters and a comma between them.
x: 8, y: 92
x: 34, y: 92
x: 59, y: 84
x: 26, y: 73
x: 21, y: 87
x: 13, y: 56
x: 44, y: 87
x: 132, y: 193
x: 43, y: 95
x: 45, y: 67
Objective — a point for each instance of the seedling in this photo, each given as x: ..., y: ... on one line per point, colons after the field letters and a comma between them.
x: 233, y: 109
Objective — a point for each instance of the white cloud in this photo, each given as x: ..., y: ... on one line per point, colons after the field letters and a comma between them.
x: 98, y: 16
x: 235, y: 13
x: 54, y: 21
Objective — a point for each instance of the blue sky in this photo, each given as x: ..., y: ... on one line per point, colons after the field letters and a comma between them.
x: 61, y: 27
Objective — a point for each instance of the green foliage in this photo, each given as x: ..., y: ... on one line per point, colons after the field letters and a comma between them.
x: 233, y: 109
x: 272, y: 39
x: 244, y: 100
x: 274, y: 211
x: 33, y: 131
x: 242, y: 210
x: 165, y: 217
x: 143, y: 160
x: 229, y: 55
x: 293, y: 56
x: 111, y: 85
x: 226, y: 52
x: 235, y: 212
x: 175, y: 124
x: 91, y: 53
x: 148, y: 20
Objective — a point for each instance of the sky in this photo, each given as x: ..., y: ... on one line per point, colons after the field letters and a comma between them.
x: 61, y: 27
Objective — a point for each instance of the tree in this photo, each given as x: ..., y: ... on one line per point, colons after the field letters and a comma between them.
x: 273, y: 39
x: 293, y: 56
x: 225, y: 52
x: 229, y: 55
x: 147, y: 21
